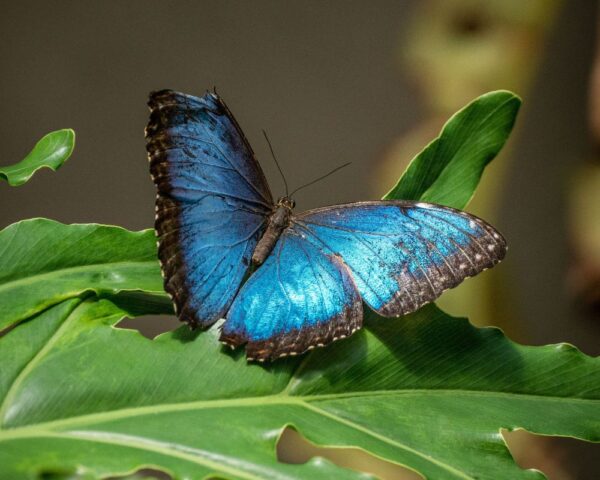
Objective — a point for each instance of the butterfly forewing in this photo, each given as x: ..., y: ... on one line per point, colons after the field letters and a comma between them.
x: 212, y: 202
x: 404, y: 254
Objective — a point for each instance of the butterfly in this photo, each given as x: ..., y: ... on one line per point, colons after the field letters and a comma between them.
x: 286, y: 283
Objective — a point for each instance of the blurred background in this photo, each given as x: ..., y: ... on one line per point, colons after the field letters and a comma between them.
x: 332, y: 82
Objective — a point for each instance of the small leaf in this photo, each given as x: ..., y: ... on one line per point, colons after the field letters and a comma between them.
x: 427, y: 391
x: 448, y: 170
x: 51, y: 151
x: 43, y: 262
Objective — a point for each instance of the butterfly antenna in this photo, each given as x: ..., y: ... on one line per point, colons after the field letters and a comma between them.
x: 321, y: 178
x: 277, y: 163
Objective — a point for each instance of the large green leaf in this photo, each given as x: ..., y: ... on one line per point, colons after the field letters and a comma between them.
x: 448, y: 170
x: 426, y: 391
x: 51, y: 151
x: 43, y: 262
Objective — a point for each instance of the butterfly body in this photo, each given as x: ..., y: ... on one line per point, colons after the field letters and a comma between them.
x: 286, y: 283
x: 278, y: 221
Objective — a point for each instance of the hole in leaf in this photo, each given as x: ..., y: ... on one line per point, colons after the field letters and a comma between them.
x: 144, y: 474
x: 151, y: 325
x: 294, y: 448
x: 560, y: 458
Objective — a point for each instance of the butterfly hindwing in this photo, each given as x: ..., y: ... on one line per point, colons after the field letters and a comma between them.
x: 300, y: 298
x: 403, y: 254
x: 212, y: 203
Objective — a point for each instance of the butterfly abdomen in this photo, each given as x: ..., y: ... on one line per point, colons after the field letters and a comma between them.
x: 278, y: 221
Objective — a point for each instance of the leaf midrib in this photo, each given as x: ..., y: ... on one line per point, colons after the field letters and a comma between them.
x: 118, y: 439
x: 34, y: 360
x: 61, y: 271
x: 274, y: 399
x: 45, y: 429
x: 153, y: 446
x: 26, y: 167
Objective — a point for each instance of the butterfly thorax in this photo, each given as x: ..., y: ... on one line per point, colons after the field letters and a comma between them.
x: 277, y: 223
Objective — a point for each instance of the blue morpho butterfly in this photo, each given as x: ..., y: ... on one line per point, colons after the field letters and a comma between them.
x: 287, y: 283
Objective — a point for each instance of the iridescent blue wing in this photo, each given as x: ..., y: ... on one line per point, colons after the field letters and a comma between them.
x: 212, y: 202
x: 402, y: 254
x: 301, y: 297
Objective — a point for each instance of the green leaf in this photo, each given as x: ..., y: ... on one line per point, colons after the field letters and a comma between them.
x: 43, y: 262
x: 51, y: 151
x: 448, y: 170
x: 426, y: 391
